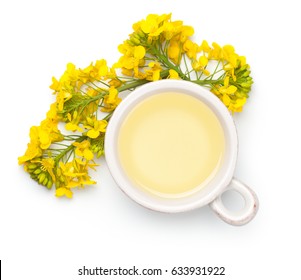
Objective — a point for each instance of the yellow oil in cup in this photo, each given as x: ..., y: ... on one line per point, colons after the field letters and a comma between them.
x: 171, y: 144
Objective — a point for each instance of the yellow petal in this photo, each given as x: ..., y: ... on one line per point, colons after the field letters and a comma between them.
x: 55, y: 84
x: 101, y: 125
x: 156, y: 75
x: 229, y: 49
x: 60, y: 192
x: 149, y: 24
x: 45, y: 140
x: 34, y: 134
x: 240, y: 102
x: 203, y: 60
x: 63, y: 191
x: 139, y: 52
x: 88, y: 182
x: 173, y: 50
x: 71, y: 126
x: 187, y: 45
x: 231, y: 89
x: 88, y: 154
x: 68, y: 193
x: 128, y: 62
x: 205, y: 46
x: 102, y: 67
x: 93, y: 133
x: 173, y: 74
x: 226, y: 99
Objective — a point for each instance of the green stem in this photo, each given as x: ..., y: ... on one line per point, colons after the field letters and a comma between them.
x: 68, y: 150
x: 186, y: 66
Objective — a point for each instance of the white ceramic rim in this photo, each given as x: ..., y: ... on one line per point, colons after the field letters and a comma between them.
x: 199, y: 199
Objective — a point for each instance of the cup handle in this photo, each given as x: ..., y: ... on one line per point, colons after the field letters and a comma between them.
x: 243, y: 216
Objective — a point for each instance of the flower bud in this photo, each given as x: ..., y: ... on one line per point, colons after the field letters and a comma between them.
x: 41, y: 177
x: 45, y: 182
x: 37, y: 171
x: 32, y: 166
x: 49, y: 184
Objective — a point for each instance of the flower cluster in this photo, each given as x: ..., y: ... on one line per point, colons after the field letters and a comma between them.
x: 158, y: 48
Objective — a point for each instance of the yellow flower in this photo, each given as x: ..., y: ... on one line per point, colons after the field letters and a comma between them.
x: 50, y: 125
x: 85, y: 74
x: 205, y: 47
x: 101, y: 67
x: 62, y: 96
x: 33, y: 151
x: 153, y: 74
x: 216, y: 52
x: 41, y: 135
x: 95, y: 127
x: 139, y: 52
x: 72, y: 125
x: 125, y: 49
x: 56, y: 85
x: 94, y: 72
x: 191, y: 49
x: 47, y: 164
x: 132, y: 56
x: 75, y: 174
x: 111, y: 101
x: 112, y: 96
x: 171, y: 29
x: 153, y: 26
x: 70, y: 77
x: 201, y: 64
x: 230, y: 60
x: 52, y: 113
x: 132, y: 59
x: 229, y: 54
x: 149, y: 24
x: 226, y: 89
x: 230, y: 96
x: 111, y: 74
x: 237, y: 106
x: 82, y: 178
x: 45, y: 138
x: 186, y: 31
x: 83, y: 150
x: 67, y: 171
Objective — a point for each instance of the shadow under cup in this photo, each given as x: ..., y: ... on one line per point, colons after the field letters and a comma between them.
x: 199, y: 198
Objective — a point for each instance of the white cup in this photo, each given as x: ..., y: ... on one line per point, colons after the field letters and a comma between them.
x: 220, y: 183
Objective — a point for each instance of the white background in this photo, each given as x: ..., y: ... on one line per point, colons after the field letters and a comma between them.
x: 42, y: 237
